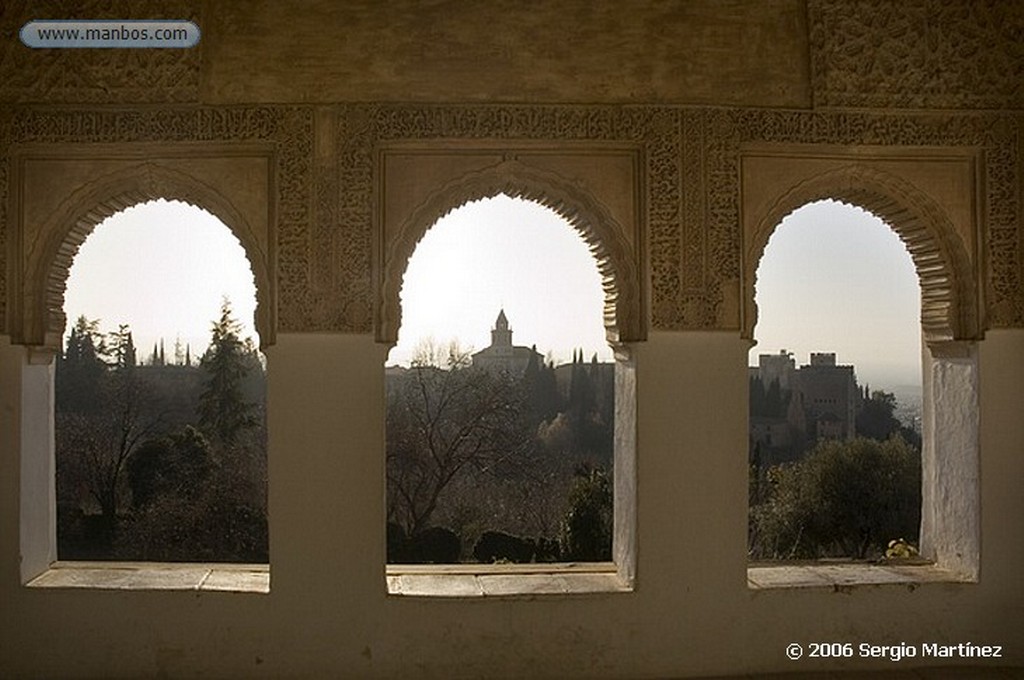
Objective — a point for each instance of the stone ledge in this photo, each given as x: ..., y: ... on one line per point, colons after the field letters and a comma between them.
x: 504, y: 580
x: 836, y: 576
x: 241, y: 578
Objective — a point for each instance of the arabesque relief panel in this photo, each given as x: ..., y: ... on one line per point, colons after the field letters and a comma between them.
x: 285, y: 133
x: 61, y: 198
x: 655, y: 131
x: 324, y: 160
x: 594, y: 187
x: 994, y: 137
x: 927, y: 198
x: 917, y: 54
x: 691, y: 182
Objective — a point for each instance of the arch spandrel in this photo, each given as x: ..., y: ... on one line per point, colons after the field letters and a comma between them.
x: 48, y: 260
x: 949, y: 293
x: 617, y: 261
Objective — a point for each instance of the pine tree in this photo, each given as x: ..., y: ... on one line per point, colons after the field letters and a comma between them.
x: 81, y: 368
x: 223, y: 410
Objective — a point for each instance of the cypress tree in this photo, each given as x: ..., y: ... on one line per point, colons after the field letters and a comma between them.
x: 124, y: 347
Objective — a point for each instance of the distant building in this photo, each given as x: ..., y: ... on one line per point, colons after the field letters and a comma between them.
x: 780, y: 367
x: 502, y: 355
x: 792, y: 408
x: 771, y: 433
x: 830, y: 396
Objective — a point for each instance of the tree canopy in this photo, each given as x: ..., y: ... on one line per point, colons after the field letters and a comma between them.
x: 223, y: 409
x: 159, y: 450
x: 845, y: 499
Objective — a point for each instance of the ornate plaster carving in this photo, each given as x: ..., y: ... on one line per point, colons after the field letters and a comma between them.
x: 82, y: 76
x: 949, y: 300
x: 995, y: 135
x: 942, y: 54
x: 654, y: 129
x: 47, y: 262
x: 617, y: 261
x: 692, y: 182
x: 286, y: 130
x: 691, y: 185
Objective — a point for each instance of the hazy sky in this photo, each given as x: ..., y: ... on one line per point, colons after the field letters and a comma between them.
x: 833, y: 279
x: 837, y: 279
x: 503, y: 253
x: 163, y: 268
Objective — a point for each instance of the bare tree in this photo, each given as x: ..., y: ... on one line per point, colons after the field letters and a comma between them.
x: 446, y: 420
x: 93, y: 448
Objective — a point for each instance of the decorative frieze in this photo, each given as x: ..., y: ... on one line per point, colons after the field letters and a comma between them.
x: 916, y: 54
x: 324, y: 174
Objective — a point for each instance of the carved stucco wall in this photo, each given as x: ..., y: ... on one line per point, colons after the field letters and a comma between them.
x: 942, y: 54
x: 995, y: 137
x: 941, y: 243
x: 285, y: 131
x: 692, y: 181
x: 913, y: 54
x: 97, y: 76
x: 596, y: 190
x: 61, y: 200
x: 325, y: 185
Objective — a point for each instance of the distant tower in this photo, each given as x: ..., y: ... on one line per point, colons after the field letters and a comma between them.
x: 823, y: 358
x: 501, y: 336
x: 502, y: 355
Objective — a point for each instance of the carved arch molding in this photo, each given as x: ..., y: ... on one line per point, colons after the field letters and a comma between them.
x: 594, y: 188
x: 324, y: 165
x: 928, y: 199
x: 51, y: 231
x: 63, y: 197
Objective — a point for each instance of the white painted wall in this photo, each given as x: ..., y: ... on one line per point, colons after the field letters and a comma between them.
x: 691, y: 614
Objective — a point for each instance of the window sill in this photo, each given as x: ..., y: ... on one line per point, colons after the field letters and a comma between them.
x: 239, y: 578
x: 504, y: 580
x: 840, y: 576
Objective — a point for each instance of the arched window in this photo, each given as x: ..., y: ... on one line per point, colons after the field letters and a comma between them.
x: 501, y: 394
x: 836, y: 402
x: 160, y: 440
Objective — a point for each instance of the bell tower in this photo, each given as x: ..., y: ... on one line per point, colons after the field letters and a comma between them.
x: 501, y: 335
